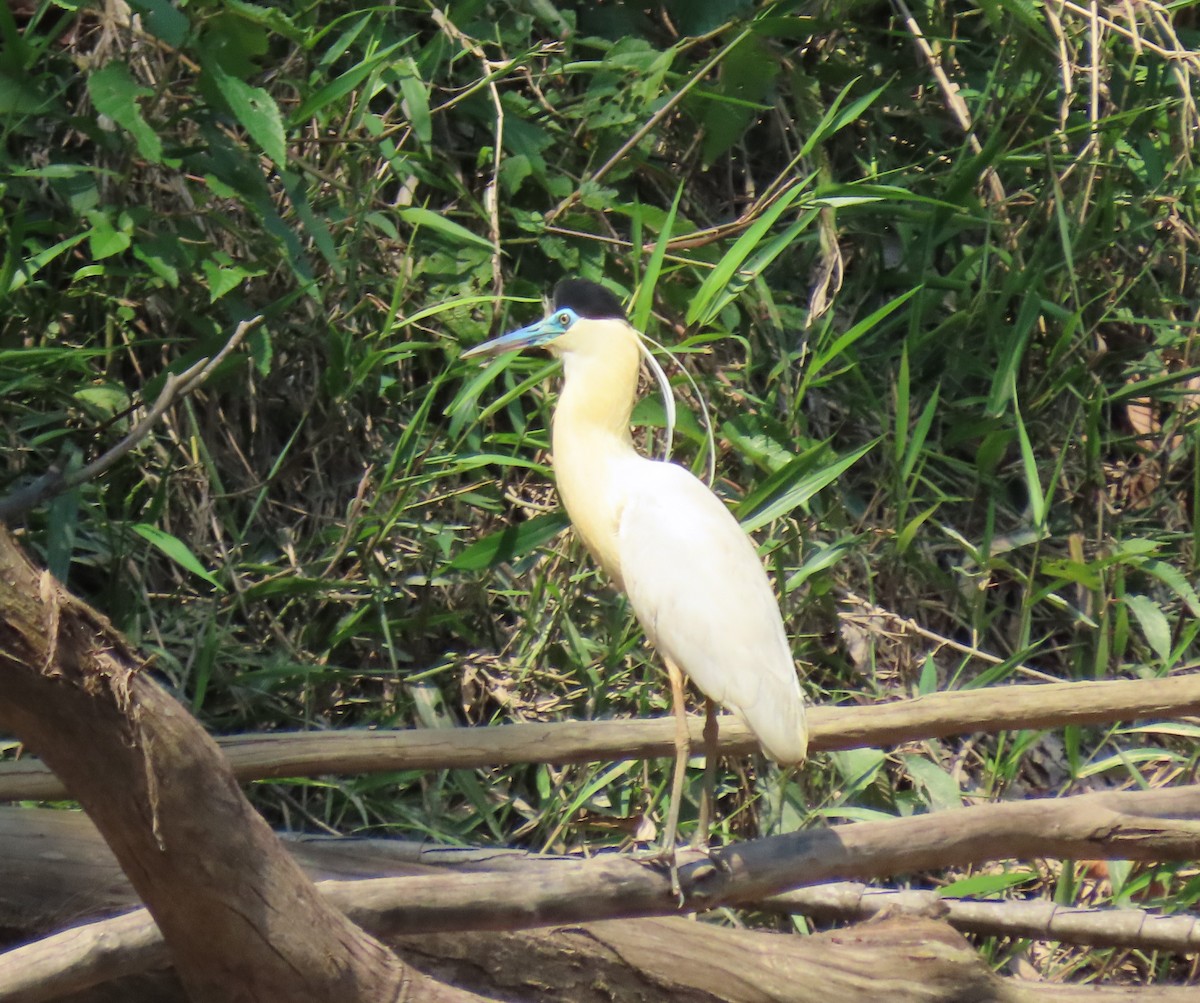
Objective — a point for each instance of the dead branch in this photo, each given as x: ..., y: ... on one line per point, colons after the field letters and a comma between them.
x: 1142, y: 825
x: 55, y: 869
x: 954, y: 100
x: 240, y: 918
x: 177, y: 385
x: 1052, y: 705
x: 1036, y: 920
x: 636, y: 960
x: 905, y: 961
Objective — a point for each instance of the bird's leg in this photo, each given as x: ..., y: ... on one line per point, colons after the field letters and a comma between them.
x: 682, y: 751
x: 701, y: 836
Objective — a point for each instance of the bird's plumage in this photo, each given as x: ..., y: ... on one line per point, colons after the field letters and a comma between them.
x: 700, y: 593
x: 692, y: 575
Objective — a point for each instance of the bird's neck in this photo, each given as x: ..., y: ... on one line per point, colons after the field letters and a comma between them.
x: 593, y: 447
x: 596, y: 401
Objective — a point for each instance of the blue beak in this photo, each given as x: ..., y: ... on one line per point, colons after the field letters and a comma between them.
x: 544, y: 331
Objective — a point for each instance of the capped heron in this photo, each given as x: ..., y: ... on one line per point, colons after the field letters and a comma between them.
x: 691, y: 573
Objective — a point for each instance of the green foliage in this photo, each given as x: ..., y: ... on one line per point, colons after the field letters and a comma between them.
x: 953, y: 376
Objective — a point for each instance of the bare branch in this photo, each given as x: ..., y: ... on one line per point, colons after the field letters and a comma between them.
x: 541, y: 891
x: 176, y: 386
x: 639, y: 134
x: 258, y: 757
x: 1037, y: 920
x: 953, y: 97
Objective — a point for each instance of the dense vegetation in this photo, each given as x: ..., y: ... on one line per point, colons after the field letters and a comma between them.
x: 933, y: 275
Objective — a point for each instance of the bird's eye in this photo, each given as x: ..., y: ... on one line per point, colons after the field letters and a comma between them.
x: 564, y: 319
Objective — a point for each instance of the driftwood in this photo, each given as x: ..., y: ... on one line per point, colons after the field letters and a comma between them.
x: 527, y: 891
x: 1050, y: 705
x: 642, y: 959
x: 910, y: 961
x: 241, y: 919
x: 55, y: 870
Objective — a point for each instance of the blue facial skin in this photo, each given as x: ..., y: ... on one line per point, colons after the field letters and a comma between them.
x: 540, y: 333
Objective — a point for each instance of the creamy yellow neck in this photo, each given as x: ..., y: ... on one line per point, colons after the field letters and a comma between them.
x: 592, y: 440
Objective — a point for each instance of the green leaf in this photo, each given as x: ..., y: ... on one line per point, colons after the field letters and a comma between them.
x: 643, y: 302
x: 115, y: 95
x: 824, y: 557
x: 103, y: 240
x: 224, y: 280
x: 345, y: 84
x: 858, y: 767
x: 21, y: 96
x: 905, y: 537
x: 289, y: 585
x: 941, y: 788
x: 850, y: 814
x: 62, y: 524
x: 1033, y: 483
x: 416, y: 104
x: 844, y: 341
x: 274, y: 18
x: 1155, y: 627
x: 106, y: 399
x: 928, y: 682
x: 743, y: 247
x: 832, y: 122
x: 257, y: 112
x: 920, y: 433
x: 795, y: 486
x: 510, y: 542
x: 983, y: 885
x: 157, y: 264
x: 457, y: 233
x: 176, y: 550
x: 163, y: 20
x: 1173, y: 578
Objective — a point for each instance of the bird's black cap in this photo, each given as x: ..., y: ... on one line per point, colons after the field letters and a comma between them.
x: 587, y: 299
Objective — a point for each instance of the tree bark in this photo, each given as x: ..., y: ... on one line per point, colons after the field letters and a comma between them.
x: 239, y: 916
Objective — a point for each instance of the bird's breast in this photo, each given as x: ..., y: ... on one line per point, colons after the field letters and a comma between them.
x: 591, y: 473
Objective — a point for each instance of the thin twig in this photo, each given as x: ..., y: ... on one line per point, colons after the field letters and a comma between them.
x: 1177, y: 54
x: 177, y: 385
x: 649, y: 124
x: 491, y: 193
x: 954, y: 100
x: 910, y: 626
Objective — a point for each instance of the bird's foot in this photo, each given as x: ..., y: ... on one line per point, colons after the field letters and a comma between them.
x: 665, y: 856
x: 669, y: 857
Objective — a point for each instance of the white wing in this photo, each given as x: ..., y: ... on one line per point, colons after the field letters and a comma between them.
x: 702, y: 596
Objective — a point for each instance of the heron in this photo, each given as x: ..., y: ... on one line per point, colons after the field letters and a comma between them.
x: 693, y: 576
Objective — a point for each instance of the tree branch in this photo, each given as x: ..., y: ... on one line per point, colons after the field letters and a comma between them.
x: 1037, y: 920
x: 1052, y: 705
x: 534, y: 891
